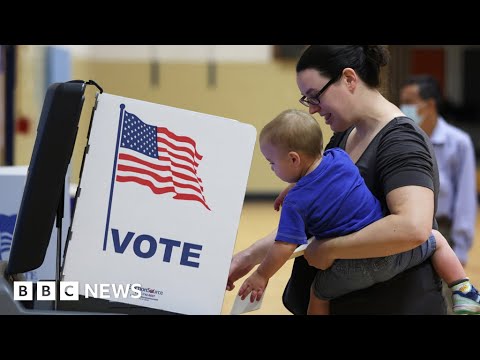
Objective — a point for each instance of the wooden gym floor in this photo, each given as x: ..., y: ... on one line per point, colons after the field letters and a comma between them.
x: 259, y: 218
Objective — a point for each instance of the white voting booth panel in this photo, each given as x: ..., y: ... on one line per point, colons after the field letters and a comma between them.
x: 12, y: 184
x: 160, y: 200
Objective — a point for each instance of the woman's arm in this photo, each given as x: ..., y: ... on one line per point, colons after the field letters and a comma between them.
x: 408, y: 226
x: 245, y: 260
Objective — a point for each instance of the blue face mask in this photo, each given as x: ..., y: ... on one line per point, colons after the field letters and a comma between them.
x: 411, y: 112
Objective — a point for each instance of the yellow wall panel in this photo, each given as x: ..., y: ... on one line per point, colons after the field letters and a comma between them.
x: 250, y: 93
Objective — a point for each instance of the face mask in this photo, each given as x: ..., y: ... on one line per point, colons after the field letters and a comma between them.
x: 411, y: 112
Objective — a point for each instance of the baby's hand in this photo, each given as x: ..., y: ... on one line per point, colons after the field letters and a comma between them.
x: 279, y: 200
x: 256, y: 285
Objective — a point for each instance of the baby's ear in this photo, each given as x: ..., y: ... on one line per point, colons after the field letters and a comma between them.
x: 294, y: 157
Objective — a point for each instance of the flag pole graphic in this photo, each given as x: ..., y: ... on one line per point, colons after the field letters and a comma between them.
x: 120, y: 123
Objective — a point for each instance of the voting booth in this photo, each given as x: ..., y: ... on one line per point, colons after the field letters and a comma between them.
x: 156, y: 210
x: 43, y: 204
x: 159, y: 205
x: 12, y: 184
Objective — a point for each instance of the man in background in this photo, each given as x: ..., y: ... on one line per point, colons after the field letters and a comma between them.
x: 421, y: 99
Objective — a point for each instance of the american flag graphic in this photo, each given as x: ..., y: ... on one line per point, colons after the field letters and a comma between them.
x: 159, y: 159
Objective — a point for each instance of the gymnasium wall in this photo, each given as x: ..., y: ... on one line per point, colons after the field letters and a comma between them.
x: 251, y: 92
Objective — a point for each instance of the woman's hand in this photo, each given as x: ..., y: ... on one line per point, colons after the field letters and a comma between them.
x: 239, y: 267
x: 279, y: 200
x: 317, y: 254
x: 246, y: 260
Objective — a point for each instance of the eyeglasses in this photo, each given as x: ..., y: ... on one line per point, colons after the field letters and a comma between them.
x: 314, y: 100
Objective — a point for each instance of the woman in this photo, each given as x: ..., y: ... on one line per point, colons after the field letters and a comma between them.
x: 394, y: 156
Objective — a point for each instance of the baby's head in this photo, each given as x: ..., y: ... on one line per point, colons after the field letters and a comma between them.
x: 290, y: 142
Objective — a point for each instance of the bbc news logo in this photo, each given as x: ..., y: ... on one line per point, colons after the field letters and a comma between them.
x: 69, y: 291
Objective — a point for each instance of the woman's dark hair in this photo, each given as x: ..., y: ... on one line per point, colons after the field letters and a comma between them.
x: 330, y: 60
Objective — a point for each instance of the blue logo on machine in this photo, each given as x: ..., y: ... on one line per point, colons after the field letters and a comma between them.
x: 7, y: 224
